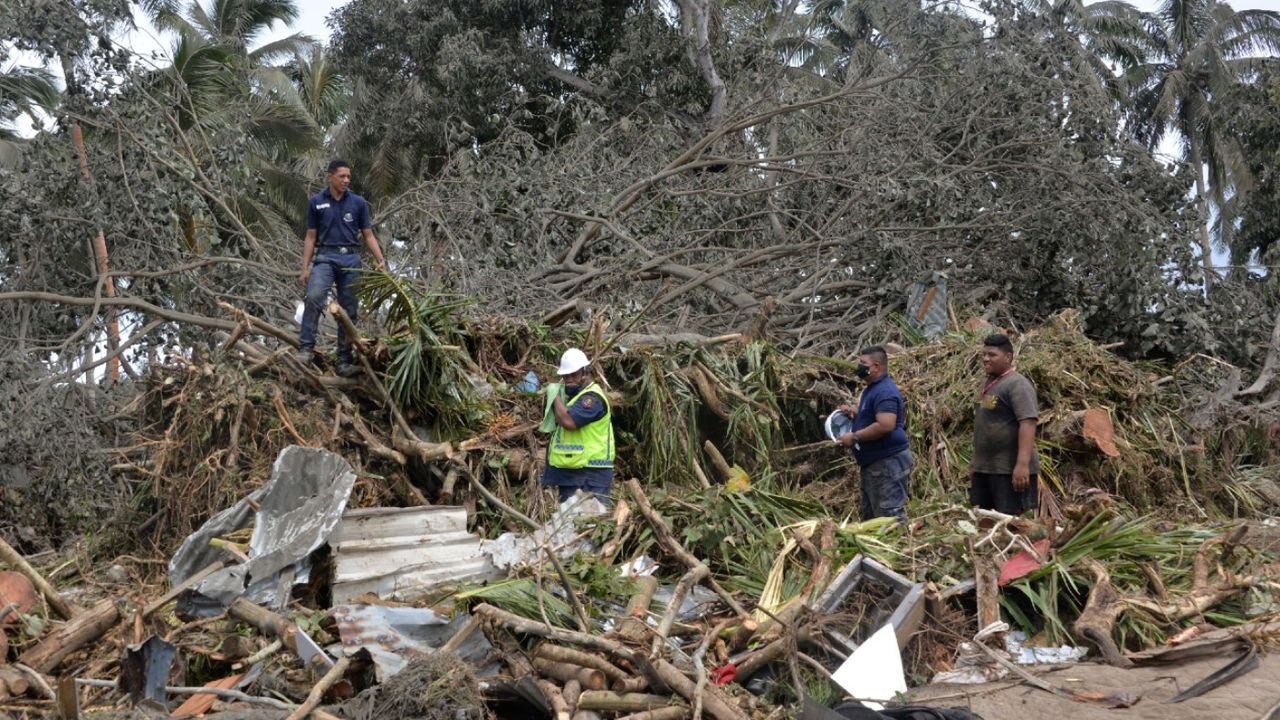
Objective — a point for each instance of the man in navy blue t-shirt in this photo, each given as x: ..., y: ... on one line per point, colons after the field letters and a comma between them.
x: 337, y: 221
x: 879, y: 439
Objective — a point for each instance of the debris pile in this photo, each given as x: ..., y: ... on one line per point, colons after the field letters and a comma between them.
x: 308, y: 545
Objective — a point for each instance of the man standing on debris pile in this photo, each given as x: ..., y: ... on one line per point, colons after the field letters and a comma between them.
x: 580, y: 453
x: 879, y: 439
x: 1002, y: 473
x: 337, y: 220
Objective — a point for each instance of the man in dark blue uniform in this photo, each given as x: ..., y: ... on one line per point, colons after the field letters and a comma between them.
x: 879, y: 439
x: 337, y: 221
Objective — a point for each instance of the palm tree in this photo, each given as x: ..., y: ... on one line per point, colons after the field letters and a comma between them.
x: 23, y: 91
x: 1106, y: 35
x: 1200, y: 49
x: 234, y: 25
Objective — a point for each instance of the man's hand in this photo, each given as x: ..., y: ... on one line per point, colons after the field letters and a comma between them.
x: 846, y: 439
x: 380, y: 263
x: 306, y: 275
x: 848, y: 410
x: 1021, y: 477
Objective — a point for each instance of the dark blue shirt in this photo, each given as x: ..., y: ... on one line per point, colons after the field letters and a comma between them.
x: 587, y: 409
x: 338, y: 222
x: 881, y: 396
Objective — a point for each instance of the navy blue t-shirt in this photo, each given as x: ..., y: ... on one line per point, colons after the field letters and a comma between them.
x: 587, y: 409
x: 881, y: 396
x: 338, y: 222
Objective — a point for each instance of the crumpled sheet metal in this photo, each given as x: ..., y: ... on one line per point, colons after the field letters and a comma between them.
x: 513, y: 550
x: 394, y: 636
x: 298, y: 508
x: 144, y: 670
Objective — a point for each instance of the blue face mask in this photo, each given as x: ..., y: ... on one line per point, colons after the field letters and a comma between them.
x: 571, y: 390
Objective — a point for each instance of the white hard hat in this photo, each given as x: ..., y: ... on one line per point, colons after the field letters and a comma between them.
x: 572, y: 361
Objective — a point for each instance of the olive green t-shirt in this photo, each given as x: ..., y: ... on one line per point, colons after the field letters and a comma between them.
x: 995, y: 424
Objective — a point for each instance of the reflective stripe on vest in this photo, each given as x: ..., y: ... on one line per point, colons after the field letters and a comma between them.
x: 588, y: 446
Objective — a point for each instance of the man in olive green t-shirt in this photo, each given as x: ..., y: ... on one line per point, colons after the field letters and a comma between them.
x: 1004, y: 466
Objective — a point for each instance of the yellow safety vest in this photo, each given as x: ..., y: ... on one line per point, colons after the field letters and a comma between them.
x: 590, y: 446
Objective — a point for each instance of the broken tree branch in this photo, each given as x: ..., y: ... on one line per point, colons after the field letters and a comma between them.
x: 14, y: 560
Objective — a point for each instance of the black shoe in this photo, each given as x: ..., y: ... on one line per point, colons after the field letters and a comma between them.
x: 347, y: 370
x: 306, y: 357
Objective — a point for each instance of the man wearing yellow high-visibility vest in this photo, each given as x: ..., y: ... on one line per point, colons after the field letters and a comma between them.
x: 580, y: 452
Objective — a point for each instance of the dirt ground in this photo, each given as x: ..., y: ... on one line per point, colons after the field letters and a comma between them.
x: 1252, y: 697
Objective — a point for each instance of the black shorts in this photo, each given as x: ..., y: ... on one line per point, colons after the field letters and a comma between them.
x: 991, y: 491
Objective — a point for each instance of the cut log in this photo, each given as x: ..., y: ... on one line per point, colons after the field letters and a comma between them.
x: 607, y: 701
x: 630, y: 685
x: 20, y: 564
x: 555, y: 698
x: 88, y: 626
x: 14, y: 681
x: 563, y: 654
x: 673, y: 712
x: 265, y: 621
x: 633, y: 628
x: 589, y: 678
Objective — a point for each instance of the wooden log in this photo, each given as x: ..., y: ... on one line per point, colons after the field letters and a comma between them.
x: 590, y: 678
x: 559, y: 653
x: 572, y: 692
x: 757, y: 660
x: 663, y: 673
x: 317, y: 693
x: 13, y: 680
x: 630, y: 685
x: 19, y: 563
x: 586, y: 715
x: 265, y: 621
x: 555, y: 698
x: 88, y: 626
x: 633, y: 628
x: 608, y: 701
x: 674, y: 712
x: 988, y: 591
x: 714, y: 702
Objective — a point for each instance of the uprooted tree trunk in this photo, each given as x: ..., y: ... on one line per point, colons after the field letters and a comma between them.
x: 1105, y: 604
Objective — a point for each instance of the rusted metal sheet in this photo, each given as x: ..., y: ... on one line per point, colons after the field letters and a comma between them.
x: 394, y: 636
x: 402, y: 553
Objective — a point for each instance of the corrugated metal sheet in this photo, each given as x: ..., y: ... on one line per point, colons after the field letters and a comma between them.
x: 402, y: 553
x: 394, y: 636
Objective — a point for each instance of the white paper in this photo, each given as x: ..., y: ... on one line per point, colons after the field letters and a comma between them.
x: 297, y: 313
x: 874, y: 670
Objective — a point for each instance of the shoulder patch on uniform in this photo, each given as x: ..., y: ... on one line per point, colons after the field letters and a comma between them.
x: 588, y: 401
